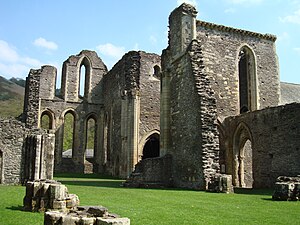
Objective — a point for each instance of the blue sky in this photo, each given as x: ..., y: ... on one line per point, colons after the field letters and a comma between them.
x: 40, y: 32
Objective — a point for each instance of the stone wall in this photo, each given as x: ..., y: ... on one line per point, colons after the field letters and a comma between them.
x: 40, y: 100
x: 221, y: 46
x: 131, y: 105
x: 152, y: 173
x: 193, y: 135
x: 274, y: 134
x: 25, y: 154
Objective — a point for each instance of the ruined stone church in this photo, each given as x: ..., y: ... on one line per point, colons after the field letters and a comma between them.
x: 212, y: 103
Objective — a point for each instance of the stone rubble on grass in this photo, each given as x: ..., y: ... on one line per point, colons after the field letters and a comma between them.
x: 287, y: 189
x: 62, y: 208
x: 84, y: 215
x: 42, y: 195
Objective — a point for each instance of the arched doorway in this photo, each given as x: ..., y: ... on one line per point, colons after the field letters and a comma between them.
x: 91, y: 143
x: 242, y: 157
x: 151, y: 147
x: 247, y: 80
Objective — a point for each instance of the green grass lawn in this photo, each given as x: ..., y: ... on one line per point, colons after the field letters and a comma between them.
x: 152, y: 206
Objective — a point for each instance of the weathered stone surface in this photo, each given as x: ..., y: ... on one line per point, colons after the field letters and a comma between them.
x: 23, y: 153
x: 42, y: 195
x: 113, y: 221
x: 287, y: 189
x: 221, y: 183
x: 274, y: 136
x: 84, y: 215
x: 151, y: 173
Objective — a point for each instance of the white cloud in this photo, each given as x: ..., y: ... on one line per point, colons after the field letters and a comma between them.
x: 7, y: 52
x: 191, y: 2
x: 42, y: 42
x: 248, y: 2
x: 294, y: 18
x: 14, y: 65
x: 111, y: 50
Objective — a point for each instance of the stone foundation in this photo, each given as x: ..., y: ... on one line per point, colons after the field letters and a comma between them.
x: 84, y: 215
x: 42, y: 195
x: 287, y: 189
x: 221, y: 183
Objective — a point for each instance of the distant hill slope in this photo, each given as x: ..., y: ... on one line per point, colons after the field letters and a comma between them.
x: 11, y: 98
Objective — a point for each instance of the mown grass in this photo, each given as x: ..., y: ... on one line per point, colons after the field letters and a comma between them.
x: 152, y: 206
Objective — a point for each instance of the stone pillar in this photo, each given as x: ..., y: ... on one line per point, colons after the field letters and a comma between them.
x: 165, y: 137
x: 129, y: 131
x: 182, y: 22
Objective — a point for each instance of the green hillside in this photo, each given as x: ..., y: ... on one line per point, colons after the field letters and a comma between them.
x: 11, y: 97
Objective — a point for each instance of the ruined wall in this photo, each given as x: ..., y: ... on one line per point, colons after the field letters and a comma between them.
x: 18, y: 161
x: 40, y: 100
x: 274, y: 135
x: 149, y: 96
x: 221, y: 46
x: 193, y: 136
x: 131, y: 104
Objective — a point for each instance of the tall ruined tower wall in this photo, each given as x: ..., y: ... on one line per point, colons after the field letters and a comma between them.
x: 188, y: 115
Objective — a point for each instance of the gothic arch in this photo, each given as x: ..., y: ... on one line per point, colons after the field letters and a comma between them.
x: 73, y: 127
x: 91, y: 116
x: 84, y: 78
x: 242, y: 156
x: 149, y: 145
x: 51, y: 119
x: 247, y: 77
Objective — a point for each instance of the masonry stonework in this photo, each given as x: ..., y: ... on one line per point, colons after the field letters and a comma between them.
x: 25, y: 154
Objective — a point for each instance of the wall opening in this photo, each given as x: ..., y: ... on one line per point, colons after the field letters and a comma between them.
x: 1, y: 167
x: 68, y: 135
x: 151, y: 147
x: 84, y: 77
x: 46, y: 120
x: 156, y: 71
x: 91, y: 129
x: 247, y: 80
x: 242, y: 158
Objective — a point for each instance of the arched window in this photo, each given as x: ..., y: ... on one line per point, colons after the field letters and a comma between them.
x: 156, y: 71
x: 242, y: 157
x: 68, y: 136
x: 84, y: 77
x: 151, y: 147
x: 46, y: 120
x: 82, y: 81
x: 247, y: 80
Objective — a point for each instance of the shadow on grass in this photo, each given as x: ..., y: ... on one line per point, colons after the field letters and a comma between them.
x: 251, y: 191
x: 16, y: 208
x: 100, y: 183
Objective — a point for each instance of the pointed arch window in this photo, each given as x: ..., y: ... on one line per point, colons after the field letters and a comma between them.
x: 84, y: 78
x: 247, y: 80
x: 68, y: 134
